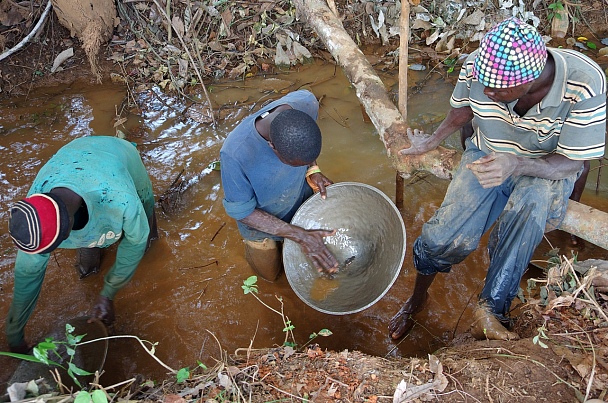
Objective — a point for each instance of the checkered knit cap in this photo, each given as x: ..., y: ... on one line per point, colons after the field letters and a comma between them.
x: 510, y: 54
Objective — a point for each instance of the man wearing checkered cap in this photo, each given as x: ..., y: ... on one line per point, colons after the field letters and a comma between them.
x: 537, y: 114
x: 94, y: 192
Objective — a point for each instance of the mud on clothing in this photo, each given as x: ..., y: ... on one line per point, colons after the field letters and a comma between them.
x: 109, y: 175
x: 253, y: 177
x: 570, y: 120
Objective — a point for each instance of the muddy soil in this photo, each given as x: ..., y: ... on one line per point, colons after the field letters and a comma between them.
x: 570, y: 365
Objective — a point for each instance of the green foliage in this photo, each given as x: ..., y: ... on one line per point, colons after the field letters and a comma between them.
x: 97, y: 396
x: 183, y: 374
x: 249, y: 285
x: 541, y: 335
x: 51, y: 347
x: 554, y: 10
x: 289, y: 326
x: 450, y: 63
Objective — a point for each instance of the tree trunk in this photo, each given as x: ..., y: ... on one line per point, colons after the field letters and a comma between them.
x: 583, y: 221
x: 373, y: 95
x: 91, y: 21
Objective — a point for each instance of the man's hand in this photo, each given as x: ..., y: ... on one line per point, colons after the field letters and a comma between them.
x: 420, y: 143
x: 493, y: 169
x: 311, y: 242
x: 104, y: 310
x: 320, y: 182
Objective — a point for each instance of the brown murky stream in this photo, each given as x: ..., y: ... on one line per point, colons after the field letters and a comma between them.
x: 186, y: 294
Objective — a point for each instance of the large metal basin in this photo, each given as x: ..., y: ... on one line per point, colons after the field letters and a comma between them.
x: 369, y: 244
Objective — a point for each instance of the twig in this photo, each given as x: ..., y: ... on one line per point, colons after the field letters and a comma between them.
x: 521, y: 357
x: 29, y: 36
x: 141, y: 342
x: 217, y: 232
x: 198, y: 73
x: 592, y: 374
x: 488, y: 389
x: 200, y: 267
x: 583, y: 288
x: 288, y: 394
x: 115, y: 385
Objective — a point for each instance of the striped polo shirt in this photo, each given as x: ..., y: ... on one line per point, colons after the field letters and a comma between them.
x: 570, y: 120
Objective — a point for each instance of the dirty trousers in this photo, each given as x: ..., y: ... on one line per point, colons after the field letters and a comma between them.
x: 520, y: 209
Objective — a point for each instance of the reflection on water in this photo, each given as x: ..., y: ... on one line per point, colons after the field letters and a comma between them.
x: 187, y: 290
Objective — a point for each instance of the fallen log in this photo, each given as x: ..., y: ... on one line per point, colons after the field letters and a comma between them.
x: 583, y: 221
x: 587, y: 223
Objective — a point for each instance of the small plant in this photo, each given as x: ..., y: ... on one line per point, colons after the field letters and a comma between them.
x: 554, y: 10
x: 250, y: 287
x: 42, y: 350
x: 51, y: 347
x: 97, y: 396
x: 450, y: 63
x: 184, y: 373
x: 541, y: 335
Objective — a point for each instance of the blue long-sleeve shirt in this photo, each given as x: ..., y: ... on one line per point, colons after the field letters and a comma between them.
x: 253, y: 177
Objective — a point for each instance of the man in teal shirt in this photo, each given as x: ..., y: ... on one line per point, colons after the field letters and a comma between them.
x: 92, y: 193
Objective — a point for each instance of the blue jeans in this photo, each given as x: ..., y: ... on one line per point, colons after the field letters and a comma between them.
x: 519, y: 210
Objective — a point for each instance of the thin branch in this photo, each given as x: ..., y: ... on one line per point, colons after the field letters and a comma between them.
x: 30, y: 35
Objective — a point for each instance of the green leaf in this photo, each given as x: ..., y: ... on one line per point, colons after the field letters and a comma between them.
x: 183, y: 374
x: 99, y: 396
x: 24, y: 357
x: 47, y: 345
x: 76, y: 381
x: 41, y: 355
x: 312, y: 335
x: 251, y: 281
x: 200, y: 364
x: 82, y: 397
x: 591, y: 45
x: 70, y: 351
x: 325, y: 332
x: 289, y: 344
x: 543, y: 345
x: 76, y: 370
x: 288, y: 328
x: 69, y: 328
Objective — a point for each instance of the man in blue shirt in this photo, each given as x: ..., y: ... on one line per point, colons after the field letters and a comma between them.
x: 268, y: 171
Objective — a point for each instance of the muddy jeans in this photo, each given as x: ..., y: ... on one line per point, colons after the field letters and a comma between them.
x: 521, y: 207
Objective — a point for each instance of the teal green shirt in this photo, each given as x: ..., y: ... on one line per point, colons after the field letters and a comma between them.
x: 108, y: 173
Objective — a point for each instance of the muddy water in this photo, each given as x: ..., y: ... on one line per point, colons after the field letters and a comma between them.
x: 186, y: 294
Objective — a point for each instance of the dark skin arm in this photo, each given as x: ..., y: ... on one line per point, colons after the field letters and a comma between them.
x: 422, y: 143
x: 311, y: 241
x: 493, y: 169
x: 104, y: 307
